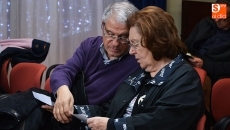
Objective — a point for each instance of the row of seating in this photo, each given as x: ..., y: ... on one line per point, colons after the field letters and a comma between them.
x: 24, y: 75
x: 217, y: 101
x: 21, y: 77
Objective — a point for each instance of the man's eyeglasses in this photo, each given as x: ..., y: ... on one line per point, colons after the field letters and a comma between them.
x: 111, y: 37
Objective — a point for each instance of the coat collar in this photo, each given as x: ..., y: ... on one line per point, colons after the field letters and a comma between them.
x: 136, y: 79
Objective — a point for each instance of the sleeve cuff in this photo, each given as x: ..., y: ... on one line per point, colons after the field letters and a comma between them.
x: 110, y: 125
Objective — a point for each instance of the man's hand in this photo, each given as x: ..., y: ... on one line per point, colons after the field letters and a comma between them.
x: 196, y: 62
x: 97, y: 123
x: 63, y: 107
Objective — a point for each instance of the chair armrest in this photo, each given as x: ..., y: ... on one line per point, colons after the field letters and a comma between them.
x: 222, y: 124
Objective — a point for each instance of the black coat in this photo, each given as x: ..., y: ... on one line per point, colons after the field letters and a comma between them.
x: 216, y: 61
x: 177, y: 104
x: 18, y: 107
x: 37, y: 53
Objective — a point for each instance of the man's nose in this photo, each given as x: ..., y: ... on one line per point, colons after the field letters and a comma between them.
x: 217, y: 20
x: 115, y: 41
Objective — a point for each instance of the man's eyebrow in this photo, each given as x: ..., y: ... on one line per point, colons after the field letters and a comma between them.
x: 123, y: 34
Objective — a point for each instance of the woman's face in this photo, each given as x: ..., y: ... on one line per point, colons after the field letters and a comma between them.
x: 142, y: 54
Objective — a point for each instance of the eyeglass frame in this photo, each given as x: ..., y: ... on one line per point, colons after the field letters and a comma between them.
x: 134, y: 45
x: 113, y: 37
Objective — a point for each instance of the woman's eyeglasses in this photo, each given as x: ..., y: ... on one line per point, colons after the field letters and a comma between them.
x: 134, y: 45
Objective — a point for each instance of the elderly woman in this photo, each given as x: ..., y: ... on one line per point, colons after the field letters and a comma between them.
x: 165, y: 94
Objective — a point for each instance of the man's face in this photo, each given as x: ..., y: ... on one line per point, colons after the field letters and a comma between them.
x: 224, y: 23
x: 115, y: 38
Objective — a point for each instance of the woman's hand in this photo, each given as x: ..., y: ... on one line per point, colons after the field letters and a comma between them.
x: 97, y: 123
x: 48, y: 108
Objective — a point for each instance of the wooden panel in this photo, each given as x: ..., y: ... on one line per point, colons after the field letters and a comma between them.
x: 192, y: 13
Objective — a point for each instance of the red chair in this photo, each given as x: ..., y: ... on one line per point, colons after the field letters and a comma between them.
x: 48, y: 73
x: 26, y: 75
x: 47, y: 85
x: 220, y: 100
x: 201, y: 124
x: 4, y: 80
x: 202, y: 73
x: 206, y: 85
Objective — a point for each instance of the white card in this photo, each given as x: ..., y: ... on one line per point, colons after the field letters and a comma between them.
x: 43, y: 98
x: 81, y: 117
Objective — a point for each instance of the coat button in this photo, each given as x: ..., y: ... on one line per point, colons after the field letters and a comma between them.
x: 124, y: 101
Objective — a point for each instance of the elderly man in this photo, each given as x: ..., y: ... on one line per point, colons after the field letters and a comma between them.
x: 209, y: 43
x: 104, y: 61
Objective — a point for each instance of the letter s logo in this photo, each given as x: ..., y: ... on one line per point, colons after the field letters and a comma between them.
x: 215, y: 8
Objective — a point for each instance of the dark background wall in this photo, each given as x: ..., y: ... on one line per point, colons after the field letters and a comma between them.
x: 143, y: 3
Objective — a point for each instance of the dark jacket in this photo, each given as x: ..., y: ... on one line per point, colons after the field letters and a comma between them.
x: 15, y: 108
x: 216, y: 61
x: 177, y: 104
x: 37, y: 53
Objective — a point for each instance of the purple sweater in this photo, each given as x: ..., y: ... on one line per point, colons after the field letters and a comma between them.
x: 101, y: 81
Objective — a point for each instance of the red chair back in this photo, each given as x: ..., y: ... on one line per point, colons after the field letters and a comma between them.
x: 47, y: 85
x: 206, y: 86
x: 4, y: 80
x: 220, y: 99
x: 201, y: 124
x: 202, y: 73
x: 48, y: 73
x: 26, y: 75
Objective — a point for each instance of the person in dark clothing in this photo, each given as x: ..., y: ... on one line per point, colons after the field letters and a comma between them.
x: 165, y: 94
x: 209, y: 43
x: 104, y: 61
